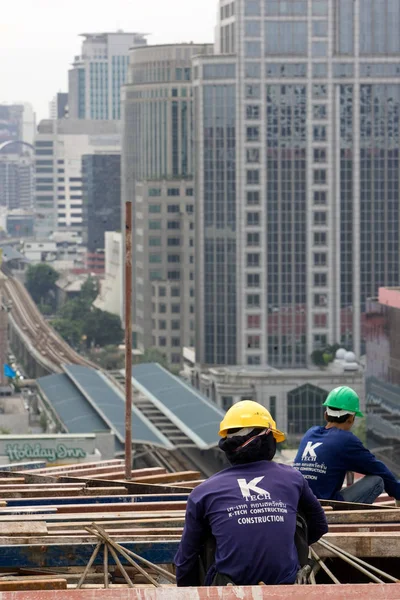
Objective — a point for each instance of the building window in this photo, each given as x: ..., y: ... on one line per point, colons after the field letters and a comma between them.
x: 319, y: 133
x: 320, y: 217
x: 253, y: 321
x: 320, y: 176
x: 320, y: 259
x: 320, y: 156
x: 253, y: 280
x: 253, y: 342
x: 162, y: 308
x: 175, y: 342
x: 319, y: 49
x: 252, y: 155
x: 175, y: 308
x: 175, y: 292
x: 320, y: 28
x: 175, y: 325
x: 320, y: 238
x: 175, y: 359
x: 174, y: 258
x: 253, y: 239
x: 285, y: 37
x: 320, y: 198
x: 272, y: 406
x: 173, y: 192
x: 253, y: 198
x: 189, y: 191
x: 253, y: 219
x: 252, y: 8
x: 253, y: 259
x: 154, y: 208
x: 154, y: 224
x: 226, y: 402
x: 252, y: 70
x: 252, y: 28
x: 254, y: 360
x: 173, y: 208
x: 304, y: 408
x: 320, y: 280
x: 252, y: 111
x: 321, y: 320
x: 253, y: 300
x: 320, y: 300
x: 189, y: 209
x: 252, y: 134
x: 253, y: 90
x: 320, y: 8
x: 252, y: 49
x: 174, y: 275
x: 320, y: 90
x: 173, y: 225
x: 174, y: 242
x: 320, y: 111
x: 153, y: 241
x: 162, y: 325
x: 155, y: 275
x: 155, y: 258
x: 320, y: 340
x: 253, y: 176
x: 162, y: 341
x: 162, y: 292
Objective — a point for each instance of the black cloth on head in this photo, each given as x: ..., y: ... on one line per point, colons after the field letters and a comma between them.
x: 261, y: 447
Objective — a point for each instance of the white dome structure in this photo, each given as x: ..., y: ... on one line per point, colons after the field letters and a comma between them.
x: 350, y: 362
x: 350, y: 357
x: 340, y: 354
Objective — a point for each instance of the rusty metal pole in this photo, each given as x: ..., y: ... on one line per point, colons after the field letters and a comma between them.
x: 128, y: 340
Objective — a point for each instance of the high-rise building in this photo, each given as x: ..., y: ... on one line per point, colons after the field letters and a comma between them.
x: 58, y: 107
x: 94, y: 90
x: 101, y: 193
x: 297, y: 190
x: 157, y: 175
x: 16, y: 179
x: 59, y: 148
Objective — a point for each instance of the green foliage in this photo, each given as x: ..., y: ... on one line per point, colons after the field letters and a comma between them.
x: 89, y: 290
x: 318, y: 358
x: 78, y: 322
x: 40, y: 282
x: 45, y: 309
x: 109, y: 358
x: 4, y: 431
x: 43, y: 422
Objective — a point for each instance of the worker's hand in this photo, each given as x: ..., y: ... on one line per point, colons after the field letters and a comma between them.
x: 303, y: 575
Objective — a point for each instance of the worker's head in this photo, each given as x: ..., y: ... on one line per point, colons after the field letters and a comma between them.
x: 249, y: 433
x: 342, y: 407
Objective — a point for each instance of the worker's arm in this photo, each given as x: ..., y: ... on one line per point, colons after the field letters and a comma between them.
x: 313, y: 513
x: 187, y: 557
x: 361, y: 460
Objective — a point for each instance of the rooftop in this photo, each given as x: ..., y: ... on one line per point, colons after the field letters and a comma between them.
x: 389, y: 296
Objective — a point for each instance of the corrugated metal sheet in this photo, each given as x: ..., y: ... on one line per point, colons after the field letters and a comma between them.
x: 109, y: 403
x: 189, y: 410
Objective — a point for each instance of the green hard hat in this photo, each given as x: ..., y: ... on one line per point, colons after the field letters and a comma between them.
x: 344, y: 398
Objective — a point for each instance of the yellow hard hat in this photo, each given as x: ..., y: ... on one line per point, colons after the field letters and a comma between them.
x: 249, y: 414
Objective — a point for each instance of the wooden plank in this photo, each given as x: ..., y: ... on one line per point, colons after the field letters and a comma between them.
x: 65, y: 555
x: 289, y: 592
x: 42, y: 493
x: 134, y: 507
x: 23, y: 527
x: 120, y: 523
x: 340, y: 505
x: 12, y: 480
x: 364, y: 545
x: 364, y: 516
x: 168, y: 477
x: 54, y: 517
x: 78, y: 466
x: 55, y: 495
x: 22, y: 585
x: 34, y: 541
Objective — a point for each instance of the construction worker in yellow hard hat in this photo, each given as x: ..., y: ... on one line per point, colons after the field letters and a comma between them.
x: 250, y: 509
x: 327, y: 452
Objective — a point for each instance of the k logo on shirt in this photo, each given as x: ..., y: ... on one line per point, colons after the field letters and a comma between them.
x: 309, y: 451
x: 251, y: 491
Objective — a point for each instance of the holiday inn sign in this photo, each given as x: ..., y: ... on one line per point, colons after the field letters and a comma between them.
x: 17, y: 452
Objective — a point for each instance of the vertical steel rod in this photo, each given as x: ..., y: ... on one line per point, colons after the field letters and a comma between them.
x: 128, y: 340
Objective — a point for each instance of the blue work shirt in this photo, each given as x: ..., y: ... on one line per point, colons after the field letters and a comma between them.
x: 325, y: 455
x: 251, y: 511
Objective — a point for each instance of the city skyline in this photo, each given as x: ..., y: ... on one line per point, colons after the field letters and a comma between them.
x: 52, y: 47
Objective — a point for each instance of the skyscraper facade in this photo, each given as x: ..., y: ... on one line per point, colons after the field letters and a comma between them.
x: 94, y: 90
x: 297, y: 185
x: 157, y: 175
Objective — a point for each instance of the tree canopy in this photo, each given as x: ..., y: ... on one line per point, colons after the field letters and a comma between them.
x: 40, y: 283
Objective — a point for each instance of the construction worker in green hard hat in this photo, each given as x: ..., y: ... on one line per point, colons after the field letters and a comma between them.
x: 327, y: 453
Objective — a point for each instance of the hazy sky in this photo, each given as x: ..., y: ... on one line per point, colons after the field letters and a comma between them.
x: 39, y: 38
